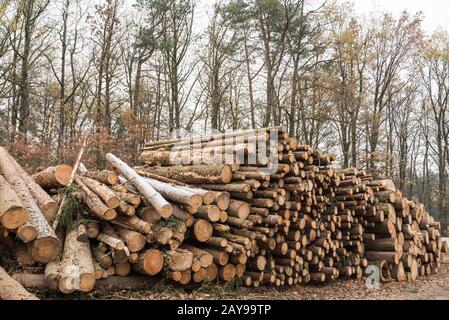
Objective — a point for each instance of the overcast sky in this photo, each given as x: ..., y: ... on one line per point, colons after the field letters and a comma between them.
x: 435, y: 11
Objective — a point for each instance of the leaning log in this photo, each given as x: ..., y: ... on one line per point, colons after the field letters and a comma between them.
x: 10, y: 289
x: 147, y: 191
x: 46, y: 247
x: 106, y: 195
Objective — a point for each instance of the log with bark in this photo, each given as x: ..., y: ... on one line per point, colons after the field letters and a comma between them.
x: 10, y: 289
x: 147, y: 191
x: 53, y: 177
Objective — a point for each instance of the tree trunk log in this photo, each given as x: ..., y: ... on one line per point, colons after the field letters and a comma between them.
x: 150, y: 262
x: 105, y: 176
x: 134, y: 240
x: 36, y: 281
x: 202, y: 230
x: 12, y: 170
x: 147, y: 191
x: 238, y: 209
x: 106, y: 195
x: 93, y: 201
x: 77, y: 270
x: 179, y: 260
x: 204, y: 174
x: 46, y: 247
x: 133, y: 223
x: 10, y: 289
x: 53, y: 177
x: 175, y: 193
x: 12, y: 213
x: 205, y: 258
x: 227, y: 272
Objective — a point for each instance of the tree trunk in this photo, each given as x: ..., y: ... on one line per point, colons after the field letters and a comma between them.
x: 179, y: 260
x: 24, y: 91
x: 77, y: 270
x: 94, y: 203
x: 52, y: 177
x: 107, y: 195
x: 202, y: 230
x: 36, y: 281
x: 10, y: 289
x: 111, y: 241
x: 133, y: 223
x: 227, y: 272
x: 239, y: 209
x: 210, y: 213
x: 105, y: 176
x: 175, y: 193
x: 211, y: 272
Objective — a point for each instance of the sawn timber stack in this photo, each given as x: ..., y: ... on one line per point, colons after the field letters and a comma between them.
x: 271, y: 212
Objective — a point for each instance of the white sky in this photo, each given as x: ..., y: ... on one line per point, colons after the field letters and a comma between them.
x: 435, y: 11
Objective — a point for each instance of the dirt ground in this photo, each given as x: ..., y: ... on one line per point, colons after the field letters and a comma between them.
x: 435, y: 287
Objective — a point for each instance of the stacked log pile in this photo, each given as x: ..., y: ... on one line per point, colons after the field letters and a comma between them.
x: 129, y: 223
x: 352, y: 200
x: 184, y: 217
x: 253, y: 240
x: 404, y: 235
x: 400, y: 237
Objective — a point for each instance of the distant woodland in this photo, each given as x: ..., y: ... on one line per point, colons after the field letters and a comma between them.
x: 372, y: 89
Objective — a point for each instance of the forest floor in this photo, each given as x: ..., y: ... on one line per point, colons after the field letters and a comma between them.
x: 435, y: 287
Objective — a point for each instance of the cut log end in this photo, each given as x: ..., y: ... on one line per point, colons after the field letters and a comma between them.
x: 211, y: 272
x: 152, y: 263
x: 14, y: 218
x: 223, y: 200
x: 87, y: 282
x: 46, y: 249
x: 208, y: 197
x: 122, y: 269
x: 62, y: 174
x: 66, y: 285
x: 110, y: 214
x: 227, y: 273
x: 186, y: 277
x: 50, y: 210
x: 196, y: 200
x: 199, y: 276
x: 113, y: 202
x: 226, y: 174
x: 27, y: 233
x: 166, y: 211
